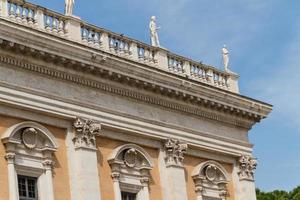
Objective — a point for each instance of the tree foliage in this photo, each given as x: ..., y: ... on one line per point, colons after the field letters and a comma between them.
x: 279, y: 194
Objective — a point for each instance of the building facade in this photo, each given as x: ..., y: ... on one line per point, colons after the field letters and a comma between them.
x: 88, y: 114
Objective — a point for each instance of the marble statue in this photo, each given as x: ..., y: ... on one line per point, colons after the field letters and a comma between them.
x: 69, y: 7
x: 225, y: 55
x: 153, y: 32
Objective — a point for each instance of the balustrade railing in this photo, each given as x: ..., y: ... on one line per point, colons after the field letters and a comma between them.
x: 146, y: 54
x: 91, y: 36
x: 22, y: 12
x: 54, y: 24
x: 175, y: 64
x: 119, y: 45
x: 220, y: 79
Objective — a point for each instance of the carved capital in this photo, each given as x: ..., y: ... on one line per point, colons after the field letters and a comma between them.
x: 85, y: 132
x: 48, y: 164
x: 145, y: 181
x: 10, y: 157
x: 115, y: 176
x: 175, y: 151
x: 247, y: 166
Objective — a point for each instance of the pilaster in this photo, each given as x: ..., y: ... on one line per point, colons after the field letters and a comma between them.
x: 83, y: 155
x: 12, y: 176
x: 172, y: 171
x: 245, y: 168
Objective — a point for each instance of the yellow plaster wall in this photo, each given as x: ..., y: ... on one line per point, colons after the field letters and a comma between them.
x: 190, y: 163
x: 60, y: 172
x: 105, y: 148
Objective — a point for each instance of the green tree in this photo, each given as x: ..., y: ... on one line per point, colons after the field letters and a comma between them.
x: 279, y: 194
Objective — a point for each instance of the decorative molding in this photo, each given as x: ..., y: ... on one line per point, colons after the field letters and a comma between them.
x: 48, y: 164
x: 246, y: 117
x: 175, y: 151
x: 85, y: 132
x: 130, y: 158
x: 115, y: 176
x: 10, y: 157
x: 29, y: 138
x: 247, y: 166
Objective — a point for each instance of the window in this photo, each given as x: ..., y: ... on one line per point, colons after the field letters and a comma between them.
x: 27, y: 188
x: 128, y: 196
x: 131, y: 167
x: 30, y: 149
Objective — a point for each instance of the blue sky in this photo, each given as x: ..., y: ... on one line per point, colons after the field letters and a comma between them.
x: 263, y: 37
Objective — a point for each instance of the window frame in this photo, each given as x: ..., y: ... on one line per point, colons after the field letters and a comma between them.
x: 27, y: 178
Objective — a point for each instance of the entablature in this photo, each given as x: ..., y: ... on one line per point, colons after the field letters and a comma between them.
x: 94, y: 69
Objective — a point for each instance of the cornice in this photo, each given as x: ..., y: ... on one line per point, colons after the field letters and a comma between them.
x: 190, y: 109
x: 182, y: 90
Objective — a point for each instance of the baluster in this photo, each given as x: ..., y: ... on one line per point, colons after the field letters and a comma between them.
x: 12, y: 13
x: 61, y: 28
x: 141, y: 53
x: 84, y: 35
x: 35, y: 18
x: 54, y: 25
x: 97, y: 40
x: 48, y: 24
x: 30, y: 17
x: 111, y: 43
x: 174, y: 66
x: 147, y: 55
x: 126, y: 48
x: 18, y: 13
x: 90, y: 37
x: 24, y: 16
x: 122, y: 46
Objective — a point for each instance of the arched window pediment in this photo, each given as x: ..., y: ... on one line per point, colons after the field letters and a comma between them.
x: 131, y: 167
x: 132, y: 156
x: 32, y: 135
x: 210, y: 179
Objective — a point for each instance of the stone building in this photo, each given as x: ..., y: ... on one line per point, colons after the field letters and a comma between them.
x: 88, y: 114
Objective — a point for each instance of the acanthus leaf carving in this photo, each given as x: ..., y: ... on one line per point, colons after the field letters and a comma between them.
x: 247, y: 166
x: 175, y: 151
x: 85, y: 133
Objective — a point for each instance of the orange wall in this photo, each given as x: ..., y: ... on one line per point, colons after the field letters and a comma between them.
x: 105, y: 148
x: 190, y: 163
x: 60, y: 171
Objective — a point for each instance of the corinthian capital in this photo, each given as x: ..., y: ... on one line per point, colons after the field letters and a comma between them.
x: 10, y: 157
x: 247, y: 166
x: 85, y: 132
x: 175, y: 151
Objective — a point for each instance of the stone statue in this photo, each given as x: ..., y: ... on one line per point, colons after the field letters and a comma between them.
x: 225, y: 55
x: 153, y: 32
x: 69, y: 7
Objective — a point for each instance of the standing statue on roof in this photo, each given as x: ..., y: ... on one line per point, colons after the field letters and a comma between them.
x: 225, y: 55
x: 69, y: 7
x: 153, y: 32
